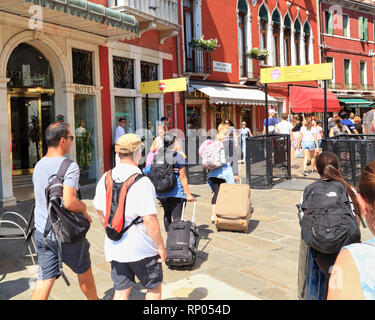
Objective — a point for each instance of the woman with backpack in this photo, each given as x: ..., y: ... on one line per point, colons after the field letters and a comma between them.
x: 353, y: 276
x: 339, y: 128
x: 228, y: 171
x: 308, y: 140
x: 178, y: 192
x: 329, y: 205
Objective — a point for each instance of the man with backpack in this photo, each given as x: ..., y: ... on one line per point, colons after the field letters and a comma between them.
x: 126, y: 204
x: 51, y: 253
x: 271, y: 122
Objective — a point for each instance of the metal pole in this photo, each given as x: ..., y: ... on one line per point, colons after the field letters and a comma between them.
x: 266, y: 98
x: 325, y: 111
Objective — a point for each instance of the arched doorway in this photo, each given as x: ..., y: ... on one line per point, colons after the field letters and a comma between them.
x: 30, y: 107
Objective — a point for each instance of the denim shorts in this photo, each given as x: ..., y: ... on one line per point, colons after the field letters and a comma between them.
x: 148, y: 270
x: 308, y: 145
x: 319, y: 143
x: 75, y: 255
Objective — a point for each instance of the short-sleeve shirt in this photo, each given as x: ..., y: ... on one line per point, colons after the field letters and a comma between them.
x: 284, y: 127
x: 135, y: 243
x: 244, y: 133
x: 272, y: 122
x: 44, y: 169
x: 118, y: 133
x: 308, y: 135
x: 319, y: 130
x: 349, y: 124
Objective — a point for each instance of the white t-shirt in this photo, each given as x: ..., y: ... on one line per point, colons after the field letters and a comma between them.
x: 308, y: 135
x: 284, y: 127
x: 319, y: 130
x: 135, y: 244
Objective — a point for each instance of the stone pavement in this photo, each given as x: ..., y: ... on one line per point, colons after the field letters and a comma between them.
x: 259, y: 264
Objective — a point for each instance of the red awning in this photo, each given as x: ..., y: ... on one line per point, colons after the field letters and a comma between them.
x: 305, y: 99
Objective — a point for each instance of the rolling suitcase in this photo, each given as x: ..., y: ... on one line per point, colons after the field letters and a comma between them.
x: 182, y: 242
x: 233, y: 207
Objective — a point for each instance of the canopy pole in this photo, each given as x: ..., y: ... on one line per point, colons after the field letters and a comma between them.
x: 325, y: 111
x: 266, y: 99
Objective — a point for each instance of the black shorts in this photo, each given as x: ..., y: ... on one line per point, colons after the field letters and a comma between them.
x: 148, y: 271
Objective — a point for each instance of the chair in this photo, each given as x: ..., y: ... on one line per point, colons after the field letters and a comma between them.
x: 10, y: 229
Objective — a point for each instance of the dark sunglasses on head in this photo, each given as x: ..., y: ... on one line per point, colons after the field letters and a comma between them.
x: 70, y: 137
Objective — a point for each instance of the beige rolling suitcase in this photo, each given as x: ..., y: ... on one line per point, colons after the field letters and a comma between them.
x: 233, y: 207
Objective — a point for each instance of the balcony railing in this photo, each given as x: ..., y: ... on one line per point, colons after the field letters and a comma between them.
x: 198, y: 62
x: 351, y: 86
x: 366, y: 87
x: 334, y: 86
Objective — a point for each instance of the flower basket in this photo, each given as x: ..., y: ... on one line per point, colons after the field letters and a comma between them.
x: 205, y: 45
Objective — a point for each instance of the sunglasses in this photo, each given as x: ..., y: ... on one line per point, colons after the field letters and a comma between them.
x: 70, y: 137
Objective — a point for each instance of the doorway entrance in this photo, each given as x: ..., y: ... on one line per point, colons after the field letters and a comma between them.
x: 30, y: 113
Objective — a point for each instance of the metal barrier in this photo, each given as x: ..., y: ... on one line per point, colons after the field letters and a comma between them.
x: 267, y: 160
x: 354, y: 151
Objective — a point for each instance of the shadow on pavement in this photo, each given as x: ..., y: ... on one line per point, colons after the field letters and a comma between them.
x: 15, y: 287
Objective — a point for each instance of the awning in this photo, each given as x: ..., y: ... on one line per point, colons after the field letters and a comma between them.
x: 306, y: 99
x: 76, y: 14
x: 229, y: 95
x: 357, y: 103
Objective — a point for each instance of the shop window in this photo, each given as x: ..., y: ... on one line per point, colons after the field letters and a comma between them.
x: 85, y: 137
x: 169, y: 114
x: 82, y: 67
x: 150, y: 115
x: 125, y: 108
x: 123, y: 73
x: 193, y: 118
x: 149, y: 71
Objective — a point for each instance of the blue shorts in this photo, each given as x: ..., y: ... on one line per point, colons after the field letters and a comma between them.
x: 308, y: 145
x: 319, y: 143
x: 148, y: 270
x: 75, y: 255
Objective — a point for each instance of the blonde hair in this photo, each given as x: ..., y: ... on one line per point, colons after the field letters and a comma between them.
x: 223, y: 131
x: 357, y: 120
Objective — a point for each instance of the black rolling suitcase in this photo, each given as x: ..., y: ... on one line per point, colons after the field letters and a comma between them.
x: 182, y: 242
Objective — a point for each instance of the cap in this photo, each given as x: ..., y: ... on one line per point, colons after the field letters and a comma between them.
x: 163, y: 118
x: 128, y: 143
x: 272, y: 111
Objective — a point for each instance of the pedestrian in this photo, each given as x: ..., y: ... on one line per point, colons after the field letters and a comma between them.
x: 164, y: 122
x: 328, y: 167
x: 245, y: 132
x: 120, y: 130
x: 297, y: 124
x: 308, y: 141
x: 339, y: 128
x: 173, y: 200
x: 284, y: 127
x: 75, y: 255
x: 228, y: 172
x: 141, y: 251
x: 347, y: 122
x: 358, y: 124
x: 352, y: 276
x: 319, y: 134
x: 331, y: 120
x: 271, y: 122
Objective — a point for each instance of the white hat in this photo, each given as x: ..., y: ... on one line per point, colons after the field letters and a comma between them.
x: 272, y: 111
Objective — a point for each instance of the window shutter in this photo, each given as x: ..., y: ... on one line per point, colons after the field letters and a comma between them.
x: 330, y: 23
x: 360, y: 27
x: 365, y: 28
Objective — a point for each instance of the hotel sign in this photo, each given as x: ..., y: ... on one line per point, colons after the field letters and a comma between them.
x: 82, y: 89
x: 309, y: 72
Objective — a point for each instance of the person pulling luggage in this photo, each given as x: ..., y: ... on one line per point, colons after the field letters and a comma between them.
x: 227, y: 170
x: 175, y: 164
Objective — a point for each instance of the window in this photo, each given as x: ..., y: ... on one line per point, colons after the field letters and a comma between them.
x: 123, y: 73
x: 193, y: 119
x: 149, y: 71
x: 345, y: 26
x: 276, y: 37
x: 330, y: 60
x: 189, y: 34
x: 125, y: 108
x: 328, y: 22
x: 82, y: 67
x: 263, y: 20
x: 347, y: 72
x: 150, y: 115
x: 363, y: 28
x: 287, y: 41
x: 307, y: 30
x: 362, y: 65
x: 297, y: 39
x: 242, y: 47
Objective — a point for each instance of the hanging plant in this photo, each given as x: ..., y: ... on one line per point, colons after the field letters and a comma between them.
x: 258, y: 54
x: 205, y: 45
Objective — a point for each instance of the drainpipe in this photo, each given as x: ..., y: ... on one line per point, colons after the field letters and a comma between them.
x: 178, y: 70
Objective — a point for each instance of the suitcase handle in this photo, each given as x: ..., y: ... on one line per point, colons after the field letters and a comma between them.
x: 194, y: 210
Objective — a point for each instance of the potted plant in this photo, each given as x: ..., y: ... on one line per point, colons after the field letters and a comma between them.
x: 263, y: 54
x: 258, y: 54
x: 205, y: 45
x: 84, y: 149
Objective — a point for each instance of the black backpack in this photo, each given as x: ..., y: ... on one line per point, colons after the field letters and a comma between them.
x: 328, y: 222
x: 68, y: 226
x: 162, y: 174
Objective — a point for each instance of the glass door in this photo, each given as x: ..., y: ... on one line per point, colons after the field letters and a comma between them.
x: 25, y: 132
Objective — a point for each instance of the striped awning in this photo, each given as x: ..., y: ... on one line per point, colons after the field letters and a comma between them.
x: 77, y: 14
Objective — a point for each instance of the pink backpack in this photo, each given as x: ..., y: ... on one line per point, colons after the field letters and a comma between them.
x: 211, y: 157
x: 204, y: 145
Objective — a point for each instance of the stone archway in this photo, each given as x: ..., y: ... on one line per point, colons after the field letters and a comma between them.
x: 62, y: 75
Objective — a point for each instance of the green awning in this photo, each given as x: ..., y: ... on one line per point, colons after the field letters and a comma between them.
x: 357, y: 103
x: 89, y: 11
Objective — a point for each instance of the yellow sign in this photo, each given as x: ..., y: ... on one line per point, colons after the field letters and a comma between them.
x: 308, y: 72
x: 163, y: 86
